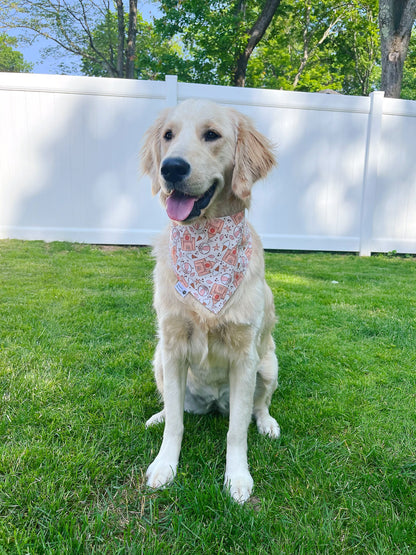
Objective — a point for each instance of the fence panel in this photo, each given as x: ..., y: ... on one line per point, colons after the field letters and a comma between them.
x: 69, y: 163
x: 394, y: 221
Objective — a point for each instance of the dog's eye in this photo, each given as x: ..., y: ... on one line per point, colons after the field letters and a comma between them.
x: 168, y: 136
x: 211, y: 135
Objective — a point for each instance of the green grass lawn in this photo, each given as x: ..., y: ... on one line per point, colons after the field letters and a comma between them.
x: 77, y: 335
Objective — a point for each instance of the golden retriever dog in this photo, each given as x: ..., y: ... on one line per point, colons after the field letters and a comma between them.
x: 215, y: 311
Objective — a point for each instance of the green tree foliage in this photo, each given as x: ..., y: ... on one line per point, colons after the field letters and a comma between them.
x: 357, y: 49
x: 313, y: 46
x: 308, y: 46
x: 10, y: 58
x: 213, y: 34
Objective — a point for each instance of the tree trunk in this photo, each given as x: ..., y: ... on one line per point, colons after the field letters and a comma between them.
x: 396, y: 18
x: 131, y: 40
x: 120, y: 44
x: 254, y: 37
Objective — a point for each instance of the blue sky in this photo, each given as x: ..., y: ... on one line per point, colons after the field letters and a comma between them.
x: 41, y: 64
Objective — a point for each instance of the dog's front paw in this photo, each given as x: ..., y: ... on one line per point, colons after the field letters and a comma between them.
x: 160, y: 473
x: 268, y: 426
x: 239, y: 485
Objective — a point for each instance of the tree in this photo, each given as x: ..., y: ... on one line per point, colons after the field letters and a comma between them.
x: 314, y: 36
x: 219, y: 36
x: 154, y: 57
x: 306, y: 46
x: 396, y: 19
x: 69, y: 24
x: 296, y: 53
x: 11, y: 59
x: 311, y: 46
x: 254, y: 36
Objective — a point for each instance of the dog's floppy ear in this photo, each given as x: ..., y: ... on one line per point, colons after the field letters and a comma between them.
x: 150, y: 153
x: 254, y: 157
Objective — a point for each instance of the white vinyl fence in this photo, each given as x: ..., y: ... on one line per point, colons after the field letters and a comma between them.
x: 346, y: 179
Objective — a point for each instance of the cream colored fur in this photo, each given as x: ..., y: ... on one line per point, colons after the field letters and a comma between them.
x: 201, y: 355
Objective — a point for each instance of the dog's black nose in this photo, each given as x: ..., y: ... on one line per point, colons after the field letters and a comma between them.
x: 175, y: 169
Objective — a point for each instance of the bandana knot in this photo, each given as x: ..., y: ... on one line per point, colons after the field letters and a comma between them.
x: 210, y: 259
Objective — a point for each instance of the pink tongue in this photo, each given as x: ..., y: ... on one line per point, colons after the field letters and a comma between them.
x: 179, y: 207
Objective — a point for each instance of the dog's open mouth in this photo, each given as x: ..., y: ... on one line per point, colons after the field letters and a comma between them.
x: 181, y: 207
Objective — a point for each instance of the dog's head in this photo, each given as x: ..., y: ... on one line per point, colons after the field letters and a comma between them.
x: 204, y: 159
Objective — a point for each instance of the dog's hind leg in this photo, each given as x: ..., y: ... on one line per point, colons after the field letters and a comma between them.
x: 266, y: 384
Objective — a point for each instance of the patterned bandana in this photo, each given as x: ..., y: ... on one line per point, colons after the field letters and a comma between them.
x: 210, y: 259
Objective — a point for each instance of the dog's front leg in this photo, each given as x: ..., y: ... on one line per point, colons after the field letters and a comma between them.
x: 163, y: 468
x: 242, y: 384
